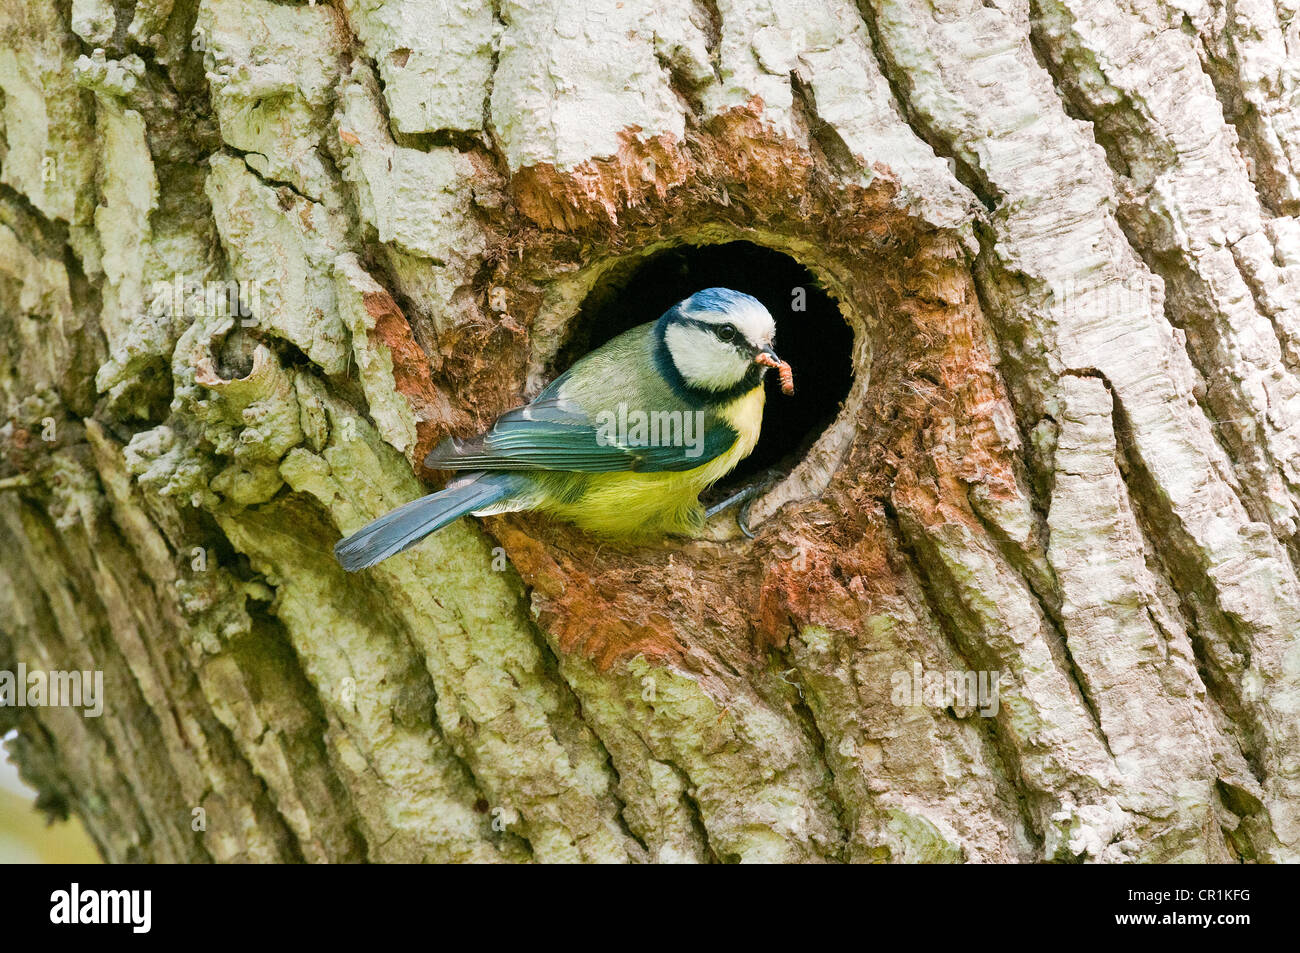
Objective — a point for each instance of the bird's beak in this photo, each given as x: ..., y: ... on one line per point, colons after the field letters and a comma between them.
x: 767, y: 357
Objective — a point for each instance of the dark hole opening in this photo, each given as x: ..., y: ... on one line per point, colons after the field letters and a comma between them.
x: 817, y: 342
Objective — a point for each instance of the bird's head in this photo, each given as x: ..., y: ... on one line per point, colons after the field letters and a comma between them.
x: 720, y: 341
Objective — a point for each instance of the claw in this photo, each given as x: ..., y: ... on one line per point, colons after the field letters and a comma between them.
x: 745, y: 496
x: 742, y: 518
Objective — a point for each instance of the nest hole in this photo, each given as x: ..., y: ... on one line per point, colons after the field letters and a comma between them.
x: 811, y: 334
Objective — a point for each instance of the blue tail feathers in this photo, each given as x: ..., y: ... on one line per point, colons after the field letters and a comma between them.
x: 407, y: 525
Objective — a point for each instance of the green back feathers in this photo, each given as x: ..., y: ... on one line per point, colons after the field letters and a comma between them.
x: 612, y: 411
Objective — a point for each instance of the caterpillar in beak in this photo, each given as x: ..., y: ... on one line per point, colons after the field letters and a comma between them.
x: 782, y: 368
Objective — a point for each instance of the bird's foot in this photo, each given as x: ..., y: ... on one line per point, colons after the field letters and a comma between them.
x: 746, y: 497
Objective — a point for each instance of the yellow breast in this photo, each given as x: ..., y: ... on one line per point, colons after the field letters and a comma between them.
x: 745, y: 414
x: 652, y: 504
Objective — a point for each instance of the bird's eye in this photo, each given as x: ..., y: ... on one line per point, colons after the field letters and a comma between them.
x: 727, y: 332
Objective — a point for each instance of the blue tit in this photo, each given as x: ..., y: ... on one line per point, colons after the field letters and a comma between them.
x: 621, y: 444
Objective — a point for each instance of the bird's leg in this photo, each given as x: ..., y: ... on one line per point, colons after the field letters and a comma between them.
x: 745, y: 496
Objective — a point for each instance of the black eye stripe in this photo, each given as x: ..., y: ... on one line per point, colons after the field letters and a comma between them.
x: 711, y: 327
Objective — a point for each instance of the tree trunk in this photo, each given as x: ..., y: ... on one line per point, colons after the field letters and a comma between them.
x: 256, y: 258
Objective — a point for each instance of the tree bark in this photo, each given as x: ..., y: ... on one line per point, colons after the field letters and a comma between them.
x: 1064, y: 234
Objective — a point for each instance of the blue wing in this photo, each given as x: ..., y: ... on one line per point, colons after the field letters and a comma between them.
x: 553, y: 433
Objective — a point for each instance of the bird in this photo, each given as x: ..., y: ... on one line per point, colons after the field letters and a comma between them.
x: 621, y: 444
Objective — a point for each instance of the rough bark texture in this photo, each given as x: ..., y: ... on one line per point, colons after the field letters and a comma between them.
x: 1064, y: 233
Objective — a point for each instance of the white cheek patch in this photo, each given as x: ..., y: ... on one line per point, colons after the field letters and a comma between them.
x: 703, y: 360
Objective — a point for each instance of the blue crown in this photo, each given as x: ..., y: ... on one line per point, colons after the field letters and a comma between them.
x: 718, y: 299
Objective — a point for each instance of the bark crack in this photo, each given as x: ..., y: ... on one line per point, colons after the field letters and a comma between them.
x: 968, y: 173
x: 1009, y: 757
x: 1158, y: 521
x: 803, y: 710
